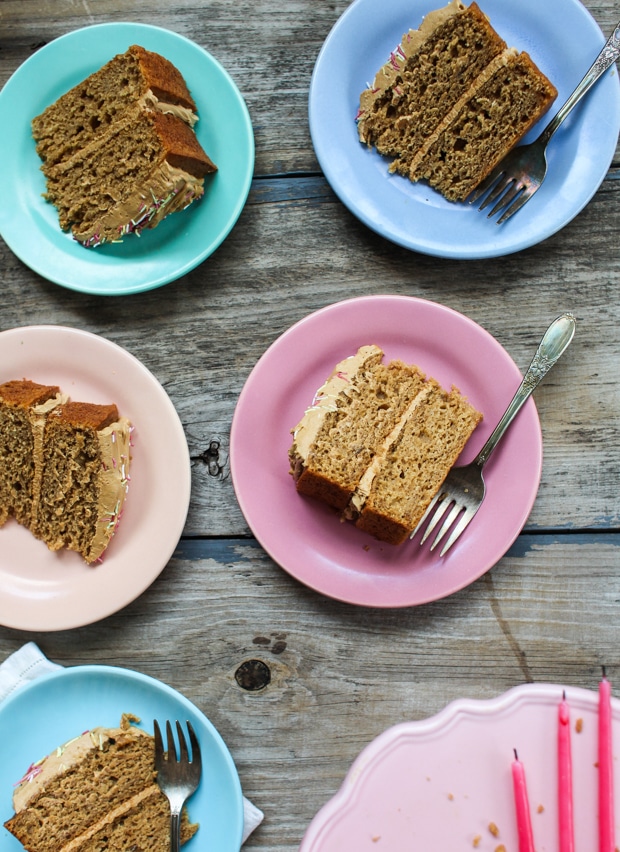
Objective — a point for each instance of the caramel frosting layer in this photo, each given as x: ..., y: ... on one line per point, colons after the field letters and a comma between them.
x: 39, y: 774
x: 168, y: 190
x: 341, y: 380
x: 149, y: 100
x: 410, y: 44
x: 115, y: 449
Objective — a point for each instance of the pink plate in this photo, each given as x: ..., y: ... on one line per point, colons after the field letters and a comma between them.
x: 307, y: 538
x: 445, y: 783
x: 41, y: 590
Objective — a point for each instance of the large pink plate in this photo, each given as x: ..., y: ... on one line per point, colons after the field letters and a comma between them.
x: 41, y: 590
x: 305, y: 537
x: 443, y: 783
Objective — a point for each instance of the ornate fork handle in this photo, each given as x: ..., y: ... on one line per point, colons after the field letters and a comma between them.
x: 606, y: 58
x: 554, y: 342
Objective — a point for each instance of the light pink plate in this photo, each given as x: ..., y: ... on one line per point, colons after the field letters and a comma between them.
x: 41, y: 590
x: 305, y: 537
x: 445, y: 783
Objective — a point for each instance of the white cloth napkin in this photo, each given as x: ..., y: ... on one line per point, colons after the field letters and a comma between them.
x: 28, y: 663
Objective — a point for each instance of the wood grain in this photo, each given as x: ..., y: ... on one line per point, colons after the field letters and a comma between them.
x: 340, y: 675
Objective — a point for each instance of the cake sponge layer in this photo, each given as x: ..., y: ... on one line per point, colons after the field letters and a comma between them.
x: 23, y: 406
x: 378, y: 441
x: 99, y: 101
x: 85, y: 463
x: 358, y: 416
x: 96, y: 793
x: 452, y: 101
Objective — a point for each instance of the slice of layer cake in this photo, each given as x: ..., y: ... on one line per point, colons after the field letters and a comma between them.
x: 147, y: 166
x: 24, y: 406
x: 97, y: 792
x: 452, y: 101
x: 351, y: 413
x: 410, y: 467
x: 378, y: 441
x: 136, y: 77
x: 85, y: 459
x: 64, y: 466
x: 119, y: 150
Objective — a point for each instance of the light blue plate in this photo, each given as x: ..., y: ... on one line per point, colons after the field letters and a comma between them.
x: 561, y: 37
x: 30, y: 225
x: 57, y: 707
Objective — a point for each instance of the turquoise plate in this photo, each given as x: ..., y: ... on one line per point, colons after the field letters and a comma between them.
x: 29, y: 224
x: 57, y: 707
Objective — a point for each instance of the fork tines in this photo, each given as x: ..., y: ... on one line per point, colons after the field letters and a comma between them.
x: 170, y: 752
x: 178, y: 778
x: 505, y: 191
x: 441, y: 502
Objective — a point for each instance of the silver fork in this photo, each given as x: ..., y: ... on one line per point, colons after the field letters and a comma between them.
x: 177, y: 778
x: 521, y: 172
x: 464, y: 487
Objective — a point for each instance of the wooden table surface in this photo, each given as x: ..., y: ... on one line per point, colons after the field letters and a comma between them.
x: 340, y: 675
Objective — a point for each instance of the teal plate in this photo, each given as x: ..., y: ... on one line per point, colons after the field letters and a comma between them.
x: 29, y: 224
x: 54, y: 708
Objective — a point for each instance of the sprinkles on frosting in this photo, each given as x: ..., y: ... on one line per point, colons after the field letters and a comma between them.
x: 144, y: 218
x: 112, y: 519
x: 31, y: 773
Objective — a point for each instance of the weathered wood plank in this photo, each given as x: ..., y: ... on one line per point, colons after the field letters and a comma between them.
x: 202, y: 335
x: 269, y: 53
x: 340, y: 675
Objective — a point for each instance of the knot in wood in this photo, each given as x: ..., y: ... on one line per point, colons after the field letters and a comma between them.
x: 253, y: 675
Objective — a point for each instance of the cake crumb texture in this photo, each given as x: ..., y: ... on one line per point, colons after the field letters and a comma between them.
x: 452, y: 101
x: 377, y: 443
x: 64, y: 467
x: 119, y: 150
x: 106, y: 797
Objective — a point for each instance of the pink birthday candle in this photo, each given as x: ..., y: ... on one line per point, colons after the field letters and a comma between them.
x: 606, y: 820
x: 522, y: 807
x: 565, y: 780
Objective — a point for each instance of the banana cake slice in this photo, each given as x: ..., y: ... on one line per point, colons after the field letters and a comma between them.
x: 64, y: 467
x: 452, y: 100
x: 119, y: 149
x: 377, y: 442
x: 97, y: 791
